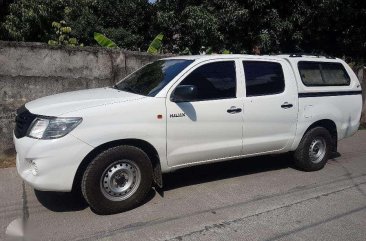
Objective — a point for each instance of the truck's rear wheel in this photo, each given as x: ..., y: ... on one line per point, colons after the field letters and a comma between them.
x: 314, y: 149
x: 117, y: 180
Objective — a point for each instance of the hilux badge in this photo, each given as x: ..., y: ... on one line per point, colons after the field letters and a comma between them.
x: 177, y: 115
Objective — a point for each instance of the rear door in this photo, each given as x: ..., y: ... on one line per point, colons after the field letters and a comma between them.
x: 210, y: 126
x: 270, y: 106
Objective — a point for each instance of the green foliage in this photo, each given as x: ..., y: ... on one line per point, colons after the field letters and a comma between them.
x: 225, y: 51
x: 127, y: 22
x: 30, y: 20
x: 62, y: 33
x: 156, y: 44
x: 4, y: 9
x: 331, y: 27
x: 124, y: 38
x: 104, y: 41
x: 186, y: 51
x: 210, y: 50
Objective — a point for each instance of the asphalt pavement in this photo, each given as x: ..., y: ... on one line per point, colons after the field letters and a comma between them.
x: 262, y: 198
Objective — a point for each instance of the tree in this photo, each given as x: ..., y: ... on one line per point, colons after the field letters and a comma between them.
x: 30, y: 20
x: 329, y: 27
x: 127, y: 22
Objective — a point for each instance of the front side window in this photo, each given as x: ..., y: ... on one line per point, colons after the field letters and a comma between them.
x: 152, y: 78
x: 323, y: 74
x: 263, y: 78
x: 213, y: 81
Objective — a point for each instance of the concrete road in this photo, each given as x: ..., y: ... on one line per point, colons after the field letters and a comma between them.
x: 261, y: 198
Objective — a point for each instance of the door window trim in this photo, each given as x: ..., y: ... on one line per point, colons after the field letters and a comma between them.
x: 266, y: 61
x: 209, y: 61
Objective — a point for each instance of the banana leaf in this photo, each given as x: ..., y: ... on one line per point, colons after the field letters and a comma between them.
x: 104, y: 41
x: 156, y: 44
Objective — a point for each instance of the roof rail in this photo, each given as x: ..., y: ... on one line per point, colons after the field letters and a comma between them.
x: 299, y: 55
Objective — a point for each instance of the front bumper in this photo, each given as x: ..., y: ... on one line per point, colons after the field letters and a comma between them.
x: 50, y: 165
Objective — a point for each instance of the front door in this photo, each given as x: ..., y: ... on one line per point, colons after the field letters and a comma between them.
x: 209, y: 126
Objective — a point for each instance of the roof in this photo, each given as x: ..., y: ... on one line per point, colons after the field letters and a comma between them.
x: 221, y: 56
x: 230, y: 56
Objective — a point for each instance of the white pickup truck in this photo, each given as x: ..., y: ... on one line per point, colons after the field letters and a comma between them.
x: 114, y: 143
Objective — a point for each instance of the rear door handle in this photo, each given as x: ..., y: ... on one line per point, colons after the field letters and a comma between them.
x: 286, y: 105
x: 234, y: 110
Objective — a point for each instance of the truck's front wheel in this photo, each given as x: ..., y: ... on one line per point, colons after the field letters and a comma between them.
x: 117, y: 180
x: 314, y: 149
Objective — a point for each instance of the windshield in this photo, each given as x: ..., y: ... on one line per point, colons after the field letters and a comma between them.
x: 153, y: 77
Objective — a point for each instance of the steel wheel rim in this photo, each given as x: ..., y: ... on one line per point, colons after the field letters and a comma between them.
x: 317, y: 150
x: 120, y: 180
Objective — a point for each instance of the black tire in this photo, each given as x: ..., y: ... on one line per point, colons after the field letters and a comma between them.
x: 303, y: 158
x: 96, y: 195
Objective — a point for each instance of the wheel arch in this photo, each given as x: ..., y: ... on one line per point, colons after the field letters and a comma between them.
x: 148, y: 148
x: 330, y: 126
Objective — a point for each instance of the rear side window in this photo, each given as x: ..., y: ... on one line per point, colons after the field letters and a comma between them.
x: 323, y: 74
x: 213, y: 81
x: 263, y: 78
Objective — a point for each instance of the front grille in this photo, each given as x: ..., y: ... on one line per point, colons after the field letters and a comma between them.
x: 22, y: 122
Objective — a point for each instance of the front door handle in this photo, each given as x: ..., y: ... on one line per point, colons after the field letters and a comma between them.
x: 286, y: 105
x: 234, y: 110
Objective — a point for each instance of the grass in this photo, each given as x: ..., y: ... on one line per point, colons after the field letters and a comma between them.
x: 362, y: 126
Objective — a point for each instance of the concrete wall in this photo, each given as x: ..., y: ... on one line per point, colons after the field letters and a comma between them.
x: 32, y: 70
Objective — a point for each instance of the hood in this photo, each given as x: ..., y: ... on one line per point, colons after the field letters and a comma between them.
x: 59, y: 104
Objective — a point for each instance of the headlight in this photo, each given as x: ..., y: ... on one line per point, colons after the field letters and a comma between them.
x: 51, y: 128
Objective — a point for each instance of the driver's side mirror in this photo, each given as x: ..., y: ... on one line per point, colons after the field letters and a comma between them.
x: 184, y: 93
